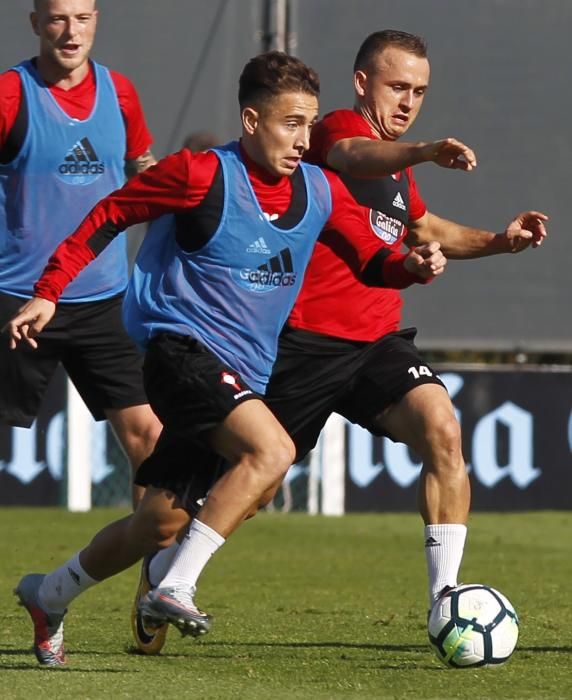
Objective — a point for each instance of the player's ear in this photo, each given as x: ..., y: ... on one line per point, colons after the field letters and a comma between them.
x: 34, y: 21
x: 250, y: 118
x: 360, y: 79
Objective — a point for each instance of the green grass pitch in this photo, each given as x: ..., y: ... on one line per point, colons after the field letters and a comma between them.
x: 304, y: 607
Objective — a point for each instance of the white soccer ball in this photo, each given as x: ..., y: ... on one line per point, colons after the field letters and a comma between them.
x: 473, y: 625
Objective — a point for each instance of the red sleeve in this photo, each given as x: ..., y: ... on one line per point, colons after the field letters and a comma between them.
x: 394, y: 274
x: 335, y: 126
x: 10, y: 96
x: 176, y: 183
x: 139, y: 138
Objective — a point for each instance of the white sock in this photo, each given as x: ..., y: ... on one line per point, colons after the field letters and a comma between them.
x: 200, y: 543
x: 444, y: 546
x: 160, y: 563
x: 59, y: 588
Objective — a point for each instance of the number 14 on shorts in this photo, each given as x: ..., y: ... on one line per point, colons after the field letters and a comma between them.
x: 421, y: 371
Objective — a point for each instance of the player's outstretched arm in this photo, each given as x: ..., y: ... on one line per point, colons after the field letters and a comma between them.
x: 29, y: 322
x: 460, y: 242
x: 363, y: 157
x: 450, y: 153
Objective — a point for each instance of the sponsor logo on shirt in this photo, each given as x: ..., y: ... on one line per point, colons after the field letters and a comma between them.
x: 387, y: 228
x: 277, y: 272
x: 81, y: 164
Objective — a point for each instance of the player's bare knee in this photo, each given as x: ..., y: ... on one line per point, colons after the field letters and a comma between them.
x: 152, y: 431
x: 449, y: 432
x: 157, y: 534
x: 280, y: 456
x: 164, y: 536
x: 143, y: 435
x: 272, y: 460
x: 155, y: 529
x: 444, y: 445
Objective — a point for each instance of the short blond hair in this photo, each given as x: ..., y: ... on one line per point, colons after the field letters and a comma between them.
x: 38, y: 3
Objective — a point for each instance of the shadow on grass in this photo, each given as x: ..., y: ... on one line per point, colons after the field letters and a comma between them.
x: 62, y: 669
x: 30, y: 652
x: 35, y: 667
x: 233, y: 650
x: 414, y: 648
x: 242, y: 651
x: 213, y: 645
x: 221, y: 650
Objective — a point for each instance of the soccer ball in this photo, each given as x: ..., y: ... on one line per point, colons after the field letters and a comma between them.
x: 473, y: 625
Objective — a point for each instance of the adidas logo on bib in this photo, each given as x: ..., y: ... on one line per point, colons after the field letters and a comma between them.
x: 81, y: 164
x: 259, y: 246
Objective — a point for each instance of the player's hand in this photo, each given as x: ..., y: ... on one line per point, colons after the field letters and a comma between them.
x: 426, y: 261
x: 29, y: 322
x: 526, y: 229
x: 450, y: 153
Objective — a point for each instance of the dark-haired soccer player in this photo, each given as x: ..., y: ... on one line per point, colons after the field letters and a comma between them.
x: 342, y: 349
x: 213, y: 284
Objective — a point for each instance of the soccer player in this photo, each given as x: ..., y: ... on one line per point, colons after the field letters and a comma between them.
x: 342, y: 349
x: 213, y: 284
x: 69, y: 128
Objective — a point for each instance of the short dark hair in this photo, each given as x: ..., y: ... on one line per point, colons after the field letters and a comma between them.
x: 375, y: 43
x: 273, y: 73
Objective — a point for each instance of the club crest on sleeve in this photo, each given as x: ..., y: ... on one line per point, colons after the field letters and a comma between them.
x: 387, y: 228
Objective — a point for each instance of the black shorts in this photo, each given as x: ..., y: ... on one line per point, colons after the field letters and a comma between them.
x: 192, y: 392
x: 315, y: 375
x: 89, y: 339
